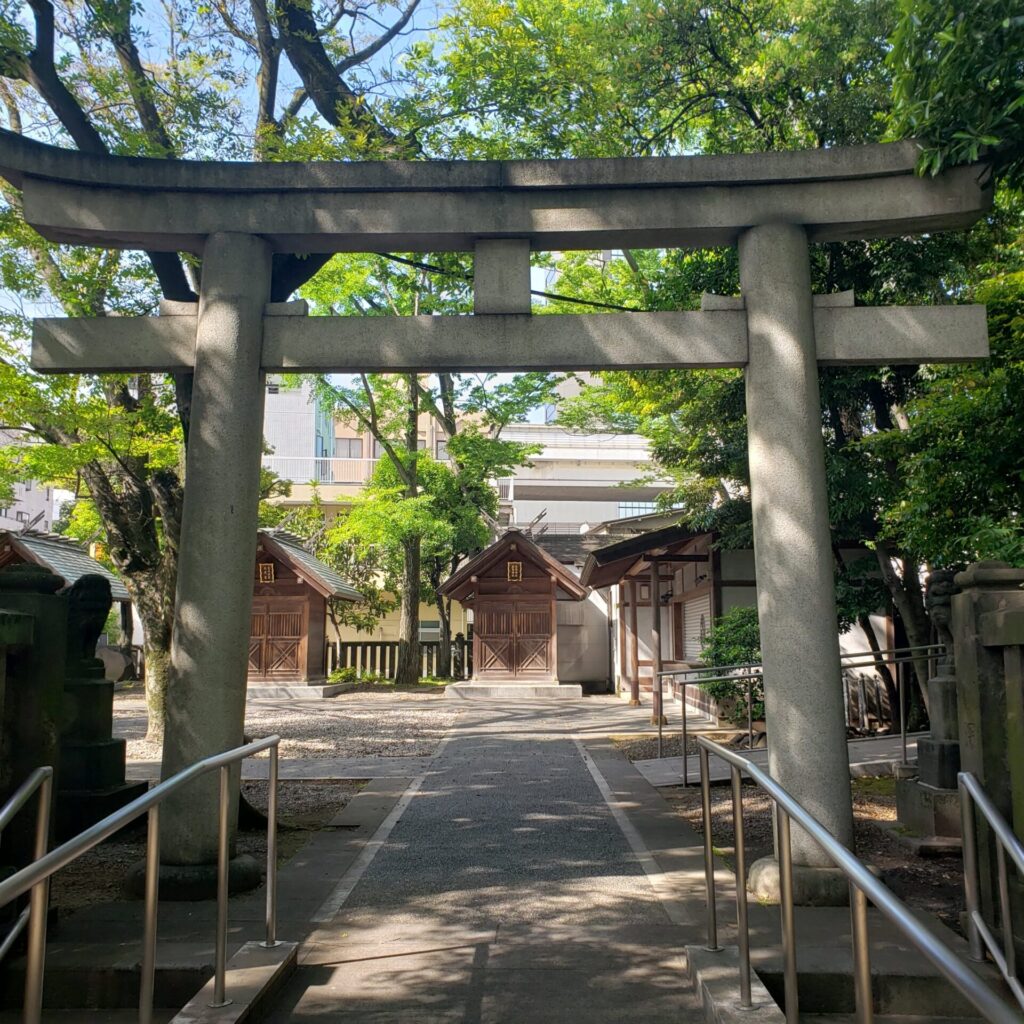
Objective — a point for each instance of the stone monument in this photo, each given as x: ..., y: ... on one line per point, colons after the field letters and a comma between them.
x: 91, y: 781
x: 33, y: 693
x: 988, y: 632
x: 928, y: 804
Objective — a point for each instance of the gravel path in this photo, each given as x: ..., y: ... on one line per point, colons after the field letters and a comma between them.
x: 361, y: 725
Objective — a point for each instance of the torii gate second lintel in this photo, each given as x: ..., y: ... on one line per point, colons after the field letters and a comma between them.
x: 770, y: 205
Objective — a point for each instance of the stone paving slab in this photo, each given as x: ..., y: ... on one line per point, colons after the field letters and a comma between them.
x: 875, y: 755
x: 506, y: 891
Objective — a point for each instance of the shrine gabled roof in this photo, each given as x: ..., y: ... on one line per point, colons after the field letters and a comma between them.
x: 320, y: 576
x: 608, y: 565
x: 460, y: 584
x: 62, y: 556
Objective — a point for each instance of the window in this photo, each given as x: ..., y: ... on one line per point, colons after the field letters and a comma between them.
x: 5, y: 512
x: 635, y: 508
x: 273, y: 389
x: 421, y: 444
x: 21, y: 517
x: 27, y: 486
x: 378, y: 450
x: 348, y: 447
x: 430, y: 629
x: 442, y: 449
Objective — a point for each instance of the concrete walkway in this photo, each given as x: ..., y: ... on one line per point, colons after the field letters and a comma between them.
x: 873, y: 756
x: 508, y: 885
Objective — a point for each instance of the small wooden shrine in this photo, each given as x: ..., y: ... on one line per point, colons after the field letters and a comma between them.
x: 514, y: 588
x: 291, y: 588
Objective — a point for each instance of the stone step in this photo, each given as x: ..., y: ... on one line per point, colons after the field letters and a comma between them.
x: 87, y: 1016
x: 882, y: 1018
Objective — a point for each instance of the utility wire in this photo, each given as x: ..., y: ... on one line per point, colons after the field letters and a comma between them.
x: 434, y: 269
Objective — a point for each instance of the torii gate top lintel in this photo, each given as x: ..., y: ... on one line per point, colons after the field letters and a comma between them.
x: 557, y: 204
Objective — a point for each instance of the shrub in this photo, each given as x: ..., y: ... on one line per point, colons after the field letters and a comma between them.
x: 735, y: 639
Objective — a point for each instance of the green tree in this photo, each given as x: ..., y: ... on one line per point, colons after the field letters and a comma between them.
x: 958, y: 82
x: 176, y: 83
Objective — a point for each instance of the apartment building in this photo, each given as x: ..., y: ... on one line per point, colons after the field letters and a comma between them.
x: 31, y: 506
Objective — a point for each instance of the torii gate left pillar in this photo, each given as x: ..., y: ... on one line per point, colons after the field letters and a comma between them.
x: 213, y: 603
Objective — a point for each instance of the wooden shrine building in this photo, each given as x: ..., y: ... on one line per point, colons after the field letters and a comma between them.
x: 291, y: 588
x: 514, y: 588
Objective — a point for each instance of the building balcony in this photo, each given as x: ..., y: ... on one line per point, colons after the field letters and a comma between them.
x: 320, y: 471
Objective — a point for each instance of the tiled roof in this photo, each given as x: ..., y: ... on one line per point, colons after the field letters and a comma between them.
x: 309, y: 566
x: 64, y: 557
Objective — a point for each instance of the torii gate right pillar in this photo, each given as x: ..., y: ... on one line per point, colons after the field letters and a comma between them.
x: 795, y: 592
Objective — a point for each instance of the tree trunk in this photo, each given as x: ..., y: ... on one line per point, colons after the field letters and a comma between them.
x: 444, y: 643
x: 909, y: 602
x: 408, y: 671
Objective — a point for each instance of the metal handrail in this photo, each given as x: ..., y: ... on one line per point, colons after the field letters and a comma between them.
x: 39, y: 871
x: 34, y: 915
x: 864, y: 886
x: 979, y: 934
x: 749, y: 672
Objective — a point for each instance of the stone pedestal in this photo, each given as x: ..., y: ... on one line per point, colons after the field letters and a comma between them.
x: 792, y: 542
x: 33, y: 695
x: 988, y: 632
x: 928, y: 804
x: 92, y: 783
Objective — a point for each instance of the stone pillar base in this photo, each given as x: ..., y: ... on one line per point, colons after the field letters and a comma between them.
x: 812, y: 886
x: 187, y: 882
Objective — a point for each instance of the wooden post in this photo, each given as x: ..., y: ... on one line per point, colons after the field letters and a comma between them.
x: 634, y: 648
x: 553, y: 648
x: 657, y: 714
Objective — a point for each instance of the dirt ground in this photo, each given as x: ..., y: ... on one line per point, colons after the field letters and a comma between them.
x: 933, y: 884
x: 303, y: 808
x: 644, y: 747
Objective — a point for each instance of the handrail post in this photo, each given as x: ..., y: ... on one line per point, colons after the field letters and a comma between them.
x: 686, y: 756
x: 39, y: 899
x: 750, y: 710
x: 272, y: 852
x: 1009, y: 953
x: 709, y: 864
x: 901, y: 675
x: 147, y: 980
x: 221, y: 943
x: 786, y: 911
x: 863, y: 1002
x: 972, y: 900
x: 742, y: 927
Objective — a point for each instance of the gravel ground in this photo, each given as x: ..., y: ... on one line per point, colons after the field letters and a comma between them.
x: 389, y: 724
x: 303, y: 807
x: 934, y: 884
x: 643, y: 747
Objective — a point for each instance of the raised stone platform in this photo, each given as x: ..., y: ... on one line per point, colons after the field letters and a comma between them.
x: 301, y: 691
x: 513, y: 691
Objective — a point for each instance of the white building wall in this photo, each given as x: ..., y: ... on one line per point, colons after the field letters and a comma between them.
x: 583, y: 640
x: 30, y: 500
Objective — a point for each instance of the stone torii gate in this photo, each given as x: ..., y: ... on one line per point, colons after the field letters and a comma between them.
x: 236, y: 216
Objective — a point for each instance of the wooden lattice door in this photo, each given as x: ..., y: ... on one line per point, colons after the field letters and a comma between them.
x: 514, y: 639
x: 277, y: 640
